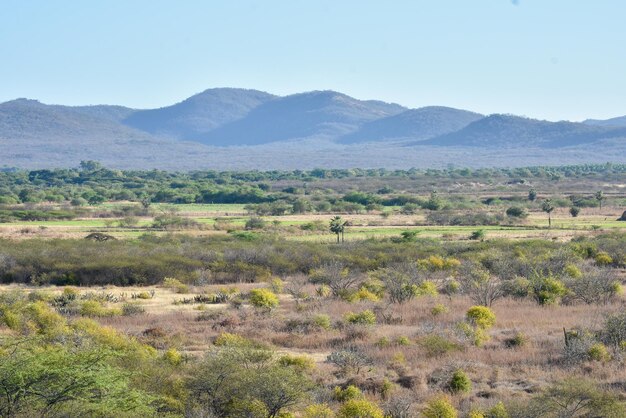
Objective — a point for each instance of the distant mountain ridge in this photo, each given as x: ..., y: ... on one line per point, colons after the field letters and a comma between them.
x: 422, y: 123
x: 497, y: 131
x: 203, y: 127
x: 303, y: 115
x: 619, y: 121
x: 199, y: 114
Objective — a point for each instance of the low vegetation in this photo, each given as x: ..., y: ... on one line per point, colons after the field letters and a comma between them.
x: 181, y: 319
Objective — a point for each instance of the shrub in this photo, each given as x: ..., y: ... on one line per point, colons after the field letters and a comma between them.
x: 226, y: 339
x: 322, y: 321
x: 497, y: 411
x: 366, y: 317
x: 614, y: 330
x: 547, y: 290
x: 440, y: 407
x: 460, y: 383
x: 263, y: 298
x: 93, y: 308
x: 255, y: 223
x: 516, y: 212
x: 481, y: 317
x: 599, y: 352
x: 427, y: 288
x: 318, y: 411
x: 518, y: 340
x: 142, y: 295
x: 383, y: 342
x: 131, y: 309
x: 348, y: 393
x: 439, y: 309
x: 360, y: 408
x: 362, y: 294
x: 301, y: 363
x: 478, y: 235
x: 573, y: 271
x: 436, y: 345
x: 277, y: 285
x: 175, y: 285
x: 574, y: 211
x: 402, y: 340
x: 173, y: 357
x: 349, y: 360
x: 603, y: 259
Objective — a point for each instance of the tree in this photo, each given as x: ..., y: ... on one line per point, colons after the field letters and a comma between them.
x: 235, y: 378
x: 574, y: 211
x: 580, y: 398
x: 434, y: 202
x: 350, y: 360
x: 482, y: 288
x: 337, y: 226
x: 599, y: 197
x: 90, y: 165
x: 532, y: 195
x: 36, y: 381
x: 548, y: 207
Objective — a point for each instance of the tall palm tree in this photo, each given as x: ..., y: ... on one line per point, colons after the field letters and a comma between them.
x: 337, y: 226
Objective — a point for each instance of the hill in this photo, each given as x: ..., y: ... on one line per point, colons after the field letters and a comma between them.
x: 422, y: 123
x: 619, y: 121
x: 315, y: 114
x: 249, y: 129
x: 199, y: 114
x: 506, y: 131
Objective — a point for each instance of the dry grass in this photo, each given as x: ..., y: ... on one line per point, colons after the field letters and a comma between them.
x: 497, y: 370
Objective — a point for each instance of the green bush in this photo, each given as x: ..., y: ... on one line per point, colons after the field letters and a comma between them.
x: 263, y: 298
x: 322, y: 321
x: 366, y: 317
x: 437, y: 346
x: 318, y: 411
x: 516, y: 212
x: 440, y: 407
x: 459, y: 383
x: 348, y: 393
x: 481, y: 317
x: 599, y: 352
x: 547, y: 290
x: 360, y: 408
x: 175, y: 285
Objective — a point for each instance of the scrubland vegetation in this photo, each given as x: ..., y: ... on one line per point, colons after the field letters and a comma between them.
x: 467, y: 305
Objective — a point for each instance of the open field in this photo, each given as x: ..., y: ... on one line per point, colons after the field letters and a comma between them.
x: 361, y: 226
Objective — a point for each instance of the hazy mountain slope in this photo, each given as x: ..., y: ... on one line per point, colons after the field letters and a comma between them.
x: 318, y: 113
x: 30, y: 119
x: 619, y: 121
x: 198, y: 114
x: 422, y: 123
x: 113, y: 113
x: 515, y: 131
x: 33, y: 134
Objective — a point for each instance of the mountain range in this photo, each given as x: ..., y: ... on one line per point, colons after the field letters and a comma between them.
x: 230, y: 123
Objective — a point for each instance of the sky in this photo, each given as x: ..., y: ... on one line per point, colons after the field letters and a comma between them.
x: 547, y: 59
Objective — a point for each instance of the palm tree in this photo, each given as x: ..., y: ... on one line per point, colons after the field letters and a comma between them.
x: 337, y: 226
x: 600, y: 197
x: 548, y: 207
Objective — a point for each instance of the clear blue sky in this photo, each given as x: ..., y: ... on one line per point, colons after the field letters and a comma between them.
x: 551, y: 59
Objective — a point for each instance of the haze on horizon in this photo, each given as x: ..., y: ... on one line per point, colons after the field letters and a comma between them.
x: 548, y: 60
